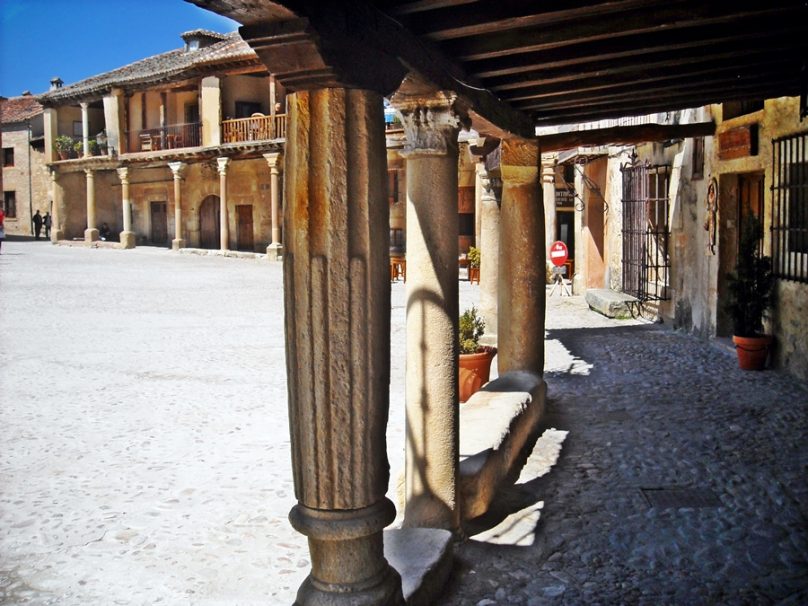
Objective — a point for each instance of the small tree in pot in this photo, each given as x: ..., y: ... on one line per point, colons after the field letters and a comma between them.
x: 475, y: 359
x: 750, y: 297
x: 474, y: 264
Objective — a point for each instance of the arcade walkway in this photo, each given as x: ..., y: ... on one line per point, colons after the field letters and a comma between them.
x: 144, y: 454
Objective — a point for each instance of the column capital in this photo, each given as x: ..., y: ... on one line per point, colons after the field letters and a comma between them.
x: 519, y: 163
x: 89, y: 172
x: 177, y: 169
x: 431, y: 123
x: 84, y: 105
x: 274, y: 160
x: 123, y: 175
x: 222, y: 165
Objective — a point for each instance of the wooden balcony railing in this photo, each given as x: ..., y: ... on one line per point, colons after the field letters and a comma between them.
x: 168, y: 137
x: 254, y: 128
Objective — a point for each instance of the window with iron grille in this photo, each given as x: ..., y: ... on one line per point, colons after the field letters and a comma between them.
x: 646, y: 231
x: 790, y: 207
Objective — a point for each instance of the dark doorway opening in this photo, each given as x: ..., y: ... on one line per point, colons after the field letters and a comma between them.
x: 209, y: 234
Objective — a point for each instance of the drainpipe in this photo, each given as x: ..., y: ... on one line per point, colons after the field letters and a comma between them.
x: 30, y: 184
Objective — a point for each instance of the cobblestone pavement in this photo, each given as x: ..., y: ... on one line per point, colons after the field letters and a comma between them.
x: 144, y: 454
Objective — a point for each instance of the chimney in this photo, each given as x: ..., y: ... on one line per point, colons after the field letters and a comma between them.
x: 56, y: 83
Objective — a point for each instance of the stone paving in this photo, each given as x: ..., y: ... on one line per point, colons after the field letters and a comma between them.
x: 144, y: 454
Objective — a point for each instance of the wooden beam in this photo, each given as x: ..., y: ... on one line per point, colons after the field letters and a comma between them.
x: 626, y: 24
x: 624, y: 135
x: 760, y: 31
x: 419, y: 6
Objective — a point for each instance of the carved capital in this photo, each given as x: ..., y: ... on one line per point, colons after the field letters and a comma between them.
x: 123, y: 175
x: 177, y: 169
x: 519, y: 163
x: 90, y: 173
x: 431, y: 124
x: 221, y: 165
x: 275, y: 161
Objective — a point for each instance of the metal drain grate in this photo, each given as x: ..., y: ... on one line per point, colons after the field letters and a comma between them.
x: 674, y: 498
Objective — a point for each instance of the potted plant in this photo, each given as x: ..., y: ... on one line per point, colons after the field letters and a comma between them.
x: 63, y: 146
x: 78, y: 147
x: 474, y: 264
x: 750, y: 297
x: 475, y: 359
x: 95, y: 150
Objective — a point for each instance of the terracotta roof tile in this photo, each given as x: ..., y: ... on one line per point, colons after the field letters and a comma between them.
x: 19, y: 109
x: 158, y: 68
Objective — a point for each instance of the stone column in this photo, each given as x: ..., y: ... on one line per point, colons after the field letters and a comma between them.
x: 491, y: 191
x: 548, y: 167
x: 127, y: 235
x: 223, y: 231
x: 337, y: 300
x: 85, y: 128
x: 275, y: 248
x: 479, y: 174
x: 176, y: 169
x: 522, y: 259
x: 57, y: 214
x: 579, y: 222
x: 91, y: 233
x: 431, y: 152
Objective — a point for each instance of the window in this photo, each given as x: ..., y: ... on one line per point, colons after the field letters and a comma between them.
x: 733, y: 109
x: 245, y: 109
x: 78, y: 129
x: 698, y: 159
x: 8, y: 156
x: 10, y: 204
x: 466, y: 224
x: 392, y: 185
x: 790, y: 207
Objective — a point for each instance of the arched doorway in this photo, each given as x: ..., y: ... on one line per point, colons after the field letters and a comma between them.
x: 209, y: 234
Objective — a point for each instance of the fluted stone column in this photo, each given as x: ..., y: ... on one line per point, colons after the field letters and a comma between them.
x: 431, y: 152
x: 491, y: 191
x: 85, y: 128
x: 522, y: 260
x: 223, y: 222
x: 91, y: 233
x: 57, y: 230
x: 548, y: 166
x: 176, y: 169
x: 337, y: 300
x: 127, y: 235
x: 275, y: 248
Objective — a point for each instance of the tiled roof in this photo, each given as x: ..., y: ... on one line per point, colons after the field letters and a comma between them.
x: 19, y: 109
x: 175, y: 64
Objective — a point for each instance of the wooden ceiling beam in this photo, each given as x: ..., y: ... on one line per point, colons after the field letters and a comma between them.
x: 752, y: 32
x: 492, y: 17
x: 690, y: 90
x: 420, y: 6
x: 612, y: 72
x: 623, y: 135
x: 706, y: 72
x: 628, y: 23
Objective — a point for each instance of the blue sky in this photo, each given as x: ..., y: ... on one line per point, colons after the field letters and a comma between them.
x: 76, y: 39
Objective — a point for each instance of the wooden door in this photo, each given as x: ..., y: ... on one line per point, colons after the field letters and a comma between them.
x: 750, y: 199
x: 159, y: 223
x: 209, y: 234
x: 244, y: 234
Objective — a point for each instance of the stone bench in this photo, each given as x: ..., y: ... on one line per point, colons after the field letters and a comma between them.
x: 496, y: 424
x: 611, y: 304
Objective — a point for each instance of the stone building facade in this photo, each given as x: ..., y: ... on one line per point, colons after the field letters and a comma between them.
x: 25, y: 181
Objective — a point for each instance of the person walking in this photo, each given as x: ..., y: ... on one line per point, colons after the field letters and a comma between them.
x: 2, y: 228
x: 46, y: 223
x: 37, y: 224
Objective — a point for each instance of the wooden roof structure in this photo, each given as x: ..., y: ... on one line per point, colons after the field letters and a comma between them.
x: 519, y: 64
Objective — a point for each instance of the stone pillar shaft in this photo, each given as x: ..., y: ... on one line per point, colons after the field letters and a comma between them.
x: 85, y: 129
x: 176, y: 170
x: 548, y: 165
x: 127, y: 235
x: 337, y: 300
x: 522, y: 278
x: 274, y: 161
x: 489, y: 253
x: 91, y: 233
x: 223, y: 231
x: 431, y: 153
x: 57, y: 211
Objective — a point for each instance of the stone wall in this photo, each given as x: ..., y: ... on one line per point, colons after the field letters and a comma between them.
x: 31, y: 195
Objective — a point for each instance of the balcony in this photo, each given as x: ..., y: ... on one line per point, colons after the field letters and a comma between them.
x: 255, y: 128
x: 174, y: 136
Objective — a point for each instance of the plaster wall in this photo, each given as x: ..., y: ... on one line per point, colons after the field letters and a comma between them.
x: 177, y: 103
x: 244, y: 88
x: 31, y: 193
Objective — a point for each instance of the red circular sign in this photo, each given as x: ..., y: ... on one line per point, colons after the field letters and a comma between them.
x: 558, y: 253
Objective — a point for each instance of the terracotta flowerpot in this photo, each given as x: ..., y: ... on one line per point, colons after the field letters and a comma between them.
x: 474, y: 371
x: 752, y: 351
x: 474, y: 276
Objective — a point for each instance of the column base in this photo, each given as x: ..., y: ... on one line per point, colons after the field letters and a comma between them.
x: 57, y: 235
x: 275, y: 252
x: 127, y: 239
x: 91, y: 235
x: 176, y: 244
